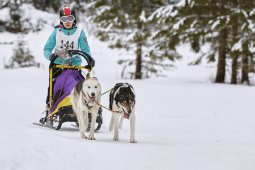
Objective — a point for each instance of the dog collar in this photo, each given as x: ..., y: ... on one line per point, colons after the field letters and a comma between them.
x: 126, y: 115
x: 86, y: 102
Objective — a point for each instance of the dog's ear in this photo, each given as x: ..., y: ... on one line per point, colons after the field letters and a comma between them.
x: 117, y: 85
x: 130, y: 86
x: 132, y: 90
x: 111, y: 99
x: 117, y: 99
x: 79, y: 86
x: 132, y: 96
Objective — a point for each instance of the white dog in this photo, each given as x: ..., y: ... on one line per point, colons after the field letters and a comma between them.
x: 84, y: 97
x: 122, y: 104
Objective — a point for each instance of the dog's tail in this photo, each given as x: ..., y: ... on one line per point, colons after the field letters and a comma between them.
x: 111, y: 123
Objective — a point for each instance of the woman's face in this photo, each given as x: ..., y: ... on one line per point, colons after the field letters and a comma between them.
x: 68, y: 24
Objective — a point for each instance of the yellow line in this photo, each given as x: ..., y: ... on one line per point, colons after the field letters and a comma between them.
x: 69, y: 67
x: 50, y: 100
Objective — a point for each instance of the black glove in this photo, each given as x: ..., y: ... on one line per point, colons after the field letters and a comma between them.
x: 93, y: 63
x: 53, y: 57
x: 88, y: 67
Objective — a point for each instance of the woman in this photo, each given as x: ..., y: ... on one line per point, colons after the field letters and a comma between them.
x: 66, y: 36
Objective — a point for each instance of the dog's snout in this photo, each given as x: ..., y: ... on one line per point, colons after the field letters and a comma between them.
x: 93, y: 94
x: 129, y: 111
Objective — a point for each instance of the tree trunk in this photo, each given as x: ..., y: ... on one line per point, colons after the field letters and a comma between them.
x: 235, y: 54
x: 245, y: 64
x: 234, y: 68
x: 220, y: 76
x: 251, y: 64
x: 138, y: 70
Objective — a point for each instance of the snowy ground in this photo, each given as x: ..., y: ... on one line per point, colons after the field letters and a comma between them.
x: 184, y: 122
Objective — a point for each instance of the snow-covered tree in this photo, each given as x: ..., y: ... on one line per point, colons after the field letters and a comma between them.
x: 22, y: 56
x: 163, y: 38
x: 225, y: 25
x: 47, y: 4
x: 14, y: 25
x: 124, y: 24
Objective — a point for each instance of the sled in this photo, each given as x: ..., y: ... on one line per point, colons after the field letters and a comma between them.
x: 60, y: 107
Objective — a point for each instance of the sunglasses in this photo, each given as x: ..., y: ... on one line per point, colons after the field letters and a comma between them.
x: 69, y: 18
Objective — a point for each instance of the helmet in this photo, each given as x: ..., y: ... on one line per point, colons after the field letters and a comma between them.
x: 67, y: 11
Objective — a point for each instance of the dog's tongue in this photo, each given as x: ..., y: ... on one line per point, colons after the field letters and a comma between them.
x: 91, y: 98
x: 126, y: 115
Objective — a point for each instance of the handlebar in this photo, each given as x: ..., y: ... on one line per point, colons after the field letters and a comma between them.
x: 86, y: 56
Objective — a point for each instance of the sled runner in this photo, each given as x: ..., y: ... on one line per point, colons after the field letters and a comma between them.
x: 59, y: 105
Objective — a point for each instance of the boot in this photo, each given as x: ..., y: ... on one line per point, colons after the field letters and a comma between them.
x: 44, y: 119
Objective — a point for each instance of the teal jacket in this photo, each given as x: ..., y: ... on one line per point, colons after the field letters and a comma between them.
x: 51, y: 43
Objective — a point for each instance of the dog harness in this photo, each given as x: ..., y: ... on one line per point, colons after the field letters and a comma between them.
x: 124, y: 85
x: 87, y: 102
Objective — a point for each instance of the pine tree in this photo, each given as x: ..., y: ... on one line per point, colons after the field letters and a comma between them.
x: 129, y: 29
x: 234, y: 54
x: 22, y: 56
x: 47, y: 4
x: 164, y: 39
x: 223, y: 24
x: 14, y: 25
x: 243, y: 17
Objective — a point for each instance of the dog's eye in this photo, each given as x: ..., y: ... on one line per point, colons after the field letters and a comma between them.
x: 95, y: 87
x: 123, y: 103
x: 88, y: 87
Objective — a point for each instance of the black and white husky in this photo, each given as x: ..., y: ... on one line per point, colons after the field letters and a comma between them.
x: 122, y: 105
x: 84, y: 98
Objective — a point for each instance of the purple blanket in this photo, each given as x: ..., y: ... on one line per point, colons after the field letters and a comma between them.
x: 64, y: 84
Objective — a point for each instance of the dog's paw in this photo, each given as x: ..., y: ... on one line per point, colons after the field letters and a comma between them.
x: 133, y: 141
x: 116, y: 139
x: 92, y: 138
x: 83, y: 136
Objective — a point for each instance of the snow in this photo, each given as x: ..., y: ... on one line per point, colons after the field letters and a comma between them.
x: 4, y: 14
x: 184, y: 121
x: 178, y: 24
x: 143, y: 17
x: 163, y: 12
x: 237, y: 46
x: 215, y: 24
